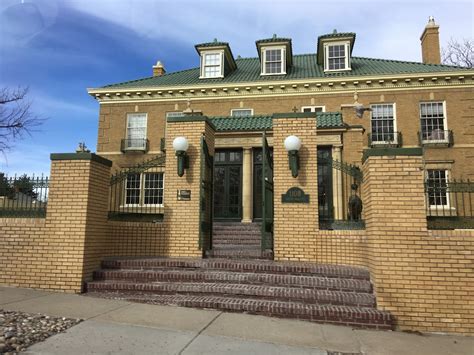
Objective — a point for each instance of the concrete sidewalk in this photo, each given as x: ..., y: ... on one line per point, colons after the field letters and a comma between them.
x: 117, y: 327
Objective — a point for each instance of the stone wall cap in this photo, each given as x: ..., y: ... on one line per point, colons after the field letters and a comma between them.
x: 81, y: 156
x: 191, y: 118
x: 380, y: 152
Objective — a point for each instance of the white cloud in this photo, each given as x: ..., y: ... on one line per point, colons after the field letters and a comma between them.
x: 386, y: 29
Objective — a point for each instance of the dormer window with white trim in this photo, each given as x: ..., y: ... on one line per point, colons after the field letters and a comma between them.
x: 336, y: 56
x: 274, y: 61
x: 212, y: 65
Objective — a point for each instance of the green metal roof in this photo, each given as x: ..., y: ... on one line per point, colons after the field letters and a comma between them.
x: 265, y: 122
x: 273, y: 39
x: 304, y: 67
x: 337, y: 35
x: 212, y: 44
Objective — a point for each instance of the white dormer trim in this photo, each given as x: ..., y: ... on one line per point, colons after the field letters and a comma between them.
x: 347, y: 57
x: 204, y: 53
x: 263, y: 55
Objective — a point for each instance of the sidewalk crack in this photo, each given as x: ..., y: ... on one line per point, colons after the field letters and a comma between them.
x: 199, y: 333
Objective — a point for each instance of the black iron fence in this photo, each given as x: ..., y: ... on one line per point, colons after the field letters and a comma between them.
x: 450, y: 205
x: 137, y: 193
x: 23, y: 196
x: 385, y: 139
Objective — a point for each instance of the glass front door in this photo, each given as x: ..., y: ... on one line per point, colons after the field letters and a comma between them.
x: 228, y: 184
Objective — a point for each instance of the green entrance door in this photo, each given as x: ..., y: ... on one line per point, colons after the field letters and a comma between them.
x: 228, y: 185
x: 257, y: 182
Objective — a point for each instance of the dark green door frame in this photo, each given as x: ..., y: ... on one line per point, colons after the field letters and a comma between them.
x: 228, y: 184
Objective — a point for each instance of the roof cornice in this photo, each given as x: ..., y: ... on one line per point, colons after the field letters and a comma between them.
x: 462, y: 78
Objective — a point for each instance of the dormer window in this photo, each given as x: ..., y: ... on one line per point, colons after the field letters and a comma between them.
x: 273, y: 61
x: 276, y: 55
x: 335, y: 50
x: 336, y: 56
x: 212, y: 65
x: 217, y: 60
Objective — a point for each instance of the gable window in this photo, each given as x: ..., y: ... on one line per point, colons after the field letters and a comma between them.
x: 241, y: 112
x: 383, y: 124
x: 313, y: 109
x: 273, y: 61
x: 136, y: 132
x: 437, y: 188
x: 144, y: 189
x: 212, y: 65
x: 336, y: 56
x: 433, y: 122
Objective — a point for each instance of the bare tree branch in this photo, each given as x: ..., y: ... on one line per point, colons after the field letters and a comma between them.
x: 16, y: 118
x: 459, y: 53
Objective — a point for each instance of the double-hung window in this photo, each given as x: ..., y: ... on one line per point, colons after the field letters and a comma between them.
x: 136, y: 131
x: 433, y: 122
x: 212, y: 65
x: 145, y: 189
x: 273, y: 61
x: 336, y: 56
x: 383, y: 124
x: 437, y: 188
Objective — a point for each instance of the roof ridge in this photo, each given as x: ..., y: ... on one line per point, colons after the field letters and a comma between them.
x: 409, y: 62
x: 150, y: 77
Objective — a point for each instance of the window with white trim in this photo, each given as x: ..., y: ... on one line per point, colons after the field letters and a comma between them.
x: 136, y: 131
x: 336, y: 56
x: 437, y: 188
x: 145, y: 189
x: 313, y: 109
x: 241, y: 112
x: 212, y: 65
x: 383, y: 123
x: 433, y: 122
x: 273, y: 61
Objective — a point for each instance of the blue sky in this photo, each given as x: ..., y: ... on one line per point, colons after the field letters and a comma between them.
x: 61, y: 47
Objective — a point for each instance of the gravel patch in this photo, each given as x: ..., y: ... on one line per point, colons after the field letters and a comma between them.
x: 20, y: 330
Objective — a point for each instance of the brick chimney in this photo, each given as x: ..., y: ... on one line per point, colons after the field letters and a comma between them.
x: 158, y: 69
x: 430, y: 50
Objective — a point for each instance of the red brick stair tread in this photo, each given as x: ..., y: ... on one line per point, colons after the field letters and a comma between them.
x: 344, y: 315
x: 235, y: 277
x: 286, y: 267
x: 260, y: 291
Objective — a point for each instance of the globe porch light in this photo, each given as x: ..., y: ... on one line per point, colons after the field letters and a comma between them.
x: 292, y: 146
x: 181, y: 145
x: 292, y: 143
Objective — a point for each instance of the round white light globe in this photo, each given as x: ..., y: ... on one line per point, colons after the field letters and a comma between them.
x: 292, y: 143
x: 180, y: 144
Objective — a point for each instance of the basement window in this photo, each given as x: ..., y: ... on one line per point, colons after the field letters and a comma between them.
x: 241, y: 112
x: 144, y: 189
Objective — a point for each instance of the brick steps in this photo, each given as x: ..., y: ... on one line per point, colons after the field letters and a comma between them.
x: 364, y: 317
x: 252, y: 266
x: 236, y: 241
x: 313, y: 296
x: 170, y: 275
x: 313, y: 292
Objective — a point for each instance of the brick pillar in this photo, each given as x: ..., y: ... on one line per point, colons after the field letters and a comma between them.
x: 76, y: 217
x: 396, y: 227
x: 295, y: 224
x: 182, y: 217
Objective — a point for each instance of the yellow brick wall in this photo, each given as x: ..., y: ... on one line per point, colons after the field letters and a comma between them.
x: 60, y: 251
x: 424, y: 278
x: 182, y: 217
x: 295, y: 224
